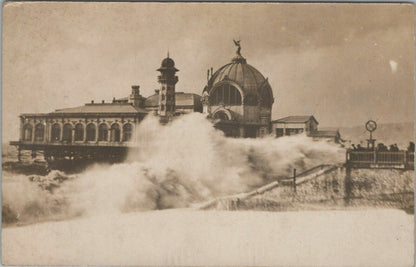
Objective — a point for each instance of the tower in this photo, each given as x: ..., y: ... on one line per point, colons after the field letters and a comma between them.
x: 135, y: 98
x: 167, y: 80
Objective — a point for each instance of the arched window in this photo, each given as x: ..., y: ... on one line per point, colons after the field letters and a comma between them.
x: 56, y: 132
x: 115, y: 133
x: 91, y: 132
x: 27, y: 132
x: 67, y: 133
x: 39, y: 132
x: 221, y: 115
x: 127, y: 132
x: 225, y: 94
x: 102, y: 132
x: 79, y: 132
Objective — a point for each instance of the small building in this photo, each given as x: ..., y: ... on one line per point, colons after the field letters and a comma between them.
x: 292, y: 125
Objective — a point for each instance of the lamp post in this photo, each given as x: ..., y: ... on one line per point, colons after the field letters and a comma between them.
x: 371, y: 126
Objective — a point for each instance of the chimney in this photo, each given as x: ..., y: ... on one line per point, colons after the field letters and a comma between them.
x: 92, y: 101
x: 135, y: 97
x: 135, y: 89
x: 114, y: 99
x: 102, y: 101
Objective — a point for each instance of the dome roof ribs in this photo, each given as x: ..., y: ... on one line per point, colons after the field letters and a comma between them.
x: 249, y: 80
x: 236, y: 70
x: 220, y: 73
x: 229, y: 70
x: 254, y: 75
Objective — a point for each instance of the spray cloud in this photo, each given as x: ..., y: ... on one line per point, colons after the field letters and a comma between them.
x: 175, y: 165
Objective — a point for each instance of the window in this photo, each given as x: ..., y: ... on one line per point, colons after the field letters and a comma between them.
x: 56, y: 132
x: 279, y: 132
x: 225, y: 94
x: 127, y: 132
x: 27, y: 132
x: 162, y: 107
x: 102, y: 132
x: 221, y: 115
x: 293, y: 131
x: 39, y: 132
x: 79, y: 132
x: 91, y: 132
x: 115, y: 133
x: 67, y: 133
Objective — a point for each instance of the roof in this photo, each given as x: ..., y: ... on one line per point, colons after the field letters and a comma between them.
x: 296, y: 119
x: 168, y: 64
x: 326, y: 133
x: 181, y: 99
x: 101, y: 108
x: 122, y: 99
x: 248, y: 78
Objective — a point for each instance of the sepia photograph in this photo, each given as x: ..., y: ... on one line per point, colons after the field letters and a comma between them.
x: 207, y: 134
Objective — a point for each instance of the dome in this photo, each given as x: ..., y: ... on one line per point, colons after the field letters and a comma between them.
x: 249, y: 80
x: 168, y: 64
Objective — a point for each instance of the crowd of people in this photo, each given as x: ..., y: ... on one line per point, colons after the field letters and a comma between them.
x: 383, y: 148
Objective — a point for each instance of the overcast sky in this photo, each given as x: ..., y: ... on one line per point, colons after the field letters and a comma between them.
x: 343, y: 63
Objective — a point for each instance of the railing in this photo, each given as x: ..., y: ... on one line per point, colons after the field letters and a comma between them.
x: 374, y: 158
x: 361, y: 156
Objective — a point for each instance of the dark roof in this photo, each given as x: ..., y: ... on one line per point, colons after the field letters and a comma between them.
x: 250, y: 80
x: 181, y: 99
x: 168, y: 64
x: 327, y: 133
x: 101, y: 108
x: 296, y: 119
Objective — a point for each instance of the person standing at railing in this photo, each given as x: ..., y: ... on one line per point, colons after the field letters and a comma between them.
x: 394, y: 148
x: 411, y: 147
x: 381, y: 147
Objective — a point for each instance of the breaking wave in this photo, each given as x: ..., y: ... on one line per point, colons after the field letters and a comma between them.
x: 176, y: 165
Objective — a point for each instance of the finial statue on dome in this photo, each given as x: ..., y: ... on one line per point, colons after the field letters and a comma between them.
x: 237, y: 43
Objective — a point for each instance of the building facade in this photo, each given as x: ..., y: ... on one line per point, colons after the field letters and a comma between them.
x: 239, y: 99
x: 104, y: 129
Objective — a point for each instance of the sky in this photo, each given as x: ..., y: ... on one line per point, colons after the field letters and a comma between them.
x: 342, y: 63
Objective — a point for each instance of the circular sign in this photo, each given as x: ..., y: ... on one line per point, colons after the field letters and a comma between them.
x: 371, y: 126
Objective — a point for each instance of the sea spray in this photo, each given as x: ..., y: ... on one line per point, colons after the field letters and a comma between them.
x: 183, y: 162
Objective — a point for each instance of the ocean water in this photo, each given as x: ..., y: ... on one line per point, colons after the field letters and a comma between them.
x: 185, y: 162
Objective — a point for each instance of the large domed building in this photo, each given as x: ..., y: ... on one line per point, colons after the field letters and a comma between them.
x: 239, y: 99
